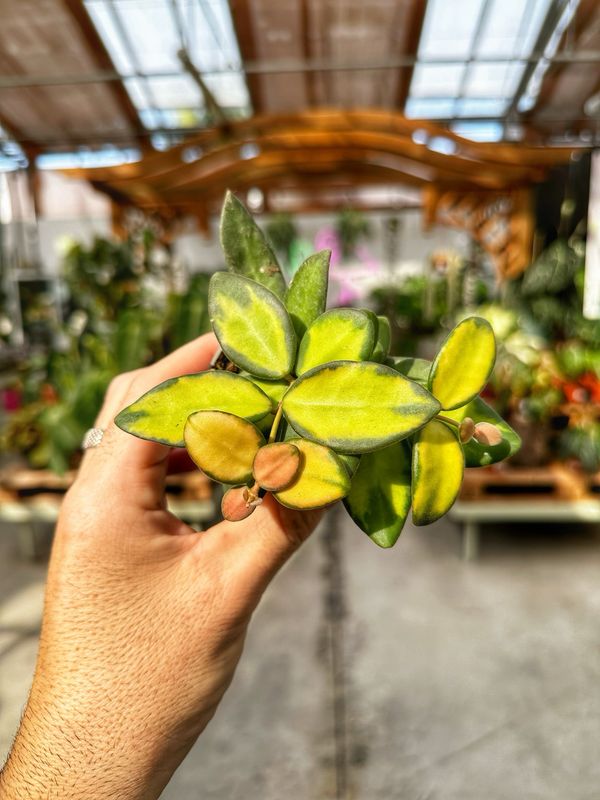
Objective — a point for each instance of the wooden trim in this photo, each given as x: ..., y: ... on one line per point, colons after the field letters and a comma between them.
x: 243, y: 26
x: 411, y: 41
x: 96, y: 48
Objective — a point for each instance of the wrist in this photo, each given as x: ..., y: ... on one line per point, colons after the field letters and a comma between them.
x: 67, y: 754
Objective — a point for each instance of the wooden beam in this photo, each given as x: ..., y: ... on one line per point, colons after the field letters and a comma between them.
x: 412, y: 39
x: 96, y: 48
x: 309, y: 77
x: 244, y: 31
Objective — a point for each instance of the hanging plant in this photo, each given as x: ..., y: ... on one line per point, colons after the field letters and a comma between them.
x: 351, y: 226
x: 318, y: 410
x: 282, y: 232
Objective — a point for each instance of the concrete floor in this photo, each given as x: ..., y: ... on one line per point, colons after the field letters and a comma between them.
x: 377, y: 675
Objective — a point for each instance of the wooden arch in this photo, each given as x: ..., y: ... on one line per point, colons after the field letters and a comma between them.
x: 481, y: 187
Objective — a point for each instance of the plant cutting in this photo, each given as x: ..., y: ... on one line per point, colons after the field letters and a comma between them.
x: 313, y: 408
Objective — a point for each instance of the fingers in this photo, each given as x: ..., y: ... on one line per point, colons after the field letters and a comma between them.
x: 258, y: 546
x: 131, y: 459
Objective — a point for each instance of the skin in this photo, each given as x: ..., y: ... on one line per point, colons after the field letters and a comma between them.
x: 144, y: 618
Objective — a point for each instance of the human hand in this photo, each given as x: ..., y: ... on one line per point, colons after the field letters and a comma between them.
x: 144, y: 619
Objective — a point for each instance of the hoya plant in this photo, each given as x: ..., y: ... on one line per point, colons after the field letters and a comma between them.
x: 309, y: 405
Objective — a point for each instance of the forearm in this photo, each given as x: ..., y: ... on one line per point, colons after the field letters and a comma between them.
x: 72, y: 756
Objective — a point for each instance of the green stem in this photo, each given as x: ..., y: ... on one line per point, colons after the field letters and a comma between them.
x: 448, y: 420
x: 276, y: 421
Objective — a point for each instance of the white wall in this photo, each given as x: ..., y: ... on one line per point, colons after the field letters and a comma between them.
x: 71, y: 208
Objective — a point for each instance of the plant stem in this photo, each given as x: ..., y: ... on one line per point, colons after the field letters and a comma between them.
x: 276, y: 421
x: 448, y: 420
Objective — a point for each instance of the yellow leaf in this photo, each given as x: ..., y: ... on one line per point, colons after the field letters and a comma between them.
x: 437, y: 472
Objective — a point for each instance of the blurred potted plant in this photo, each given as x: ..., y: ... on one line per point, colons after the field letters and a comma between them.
x: 126, y: 305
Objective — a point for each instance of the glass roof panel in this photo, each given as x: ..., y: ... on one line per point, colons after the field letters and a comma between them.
x: 470, y: 62
x: 492, y: 80
x: 448, y: 31
x: 436, y: 80
x: 143, y: 38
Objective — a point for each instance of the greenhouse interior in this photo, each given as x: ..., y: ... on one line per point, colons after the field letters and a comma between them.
x: 268, y: 267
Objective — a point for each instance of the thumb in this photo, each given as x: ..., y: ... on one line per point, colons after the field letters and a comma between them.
x: 260, y: 544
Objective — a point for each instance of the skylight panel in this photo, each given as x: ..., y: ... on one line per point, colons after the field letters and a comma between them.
x: 143, y: 38
x: 437, y: 80
x: 472, y: 56
x: 448, y: 30
x: 492, y: 80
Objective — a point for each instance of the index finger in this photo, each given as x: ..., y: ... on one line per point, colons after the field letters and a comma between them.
x: 129, y: 453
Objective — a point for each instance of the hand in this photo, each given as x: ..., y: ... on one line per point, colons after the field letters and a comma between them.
x: 144, y: 620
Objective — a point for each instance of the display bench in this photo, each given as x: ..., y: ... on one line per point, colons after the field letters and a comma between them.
x: 30, y: 501
x: 559, y: 493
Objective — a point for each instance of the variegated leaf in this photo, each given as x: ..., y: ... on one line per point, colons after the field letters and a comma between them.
x: 222, y: 445
x: 321, y: 480
x: 245, y: 248
x: 379, y: 499
x: 342, y: 334
x: 437, y: 472
x: 161, y: 413
x: 357, y: 407
x: 464, y: 363
x: 252, y: 326
x: 306, y: 296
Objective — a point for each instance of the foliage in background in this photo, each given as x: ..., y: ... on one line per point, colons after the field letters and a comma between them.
x: 351, y: 226
x: 282, y: 232
x: 418, y: 304
x: 127, y: 303
x: 547, y: 377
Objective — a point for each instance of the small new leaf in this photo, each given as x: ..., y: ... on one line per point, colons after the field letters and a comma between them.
x: 276, y: 465
x: 479, y: 454
x: 234, y: 505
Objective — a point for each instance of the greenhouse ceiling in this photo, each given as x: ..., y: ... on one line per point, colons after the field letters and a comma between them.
x: 101, y: 81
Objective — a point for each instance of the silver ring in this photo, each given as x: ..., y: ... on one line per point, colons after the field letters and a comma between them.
x: 92, y: 438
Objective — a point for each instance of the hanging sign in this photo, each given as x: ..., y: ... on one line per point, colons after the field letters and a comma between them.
x: 591, y: 290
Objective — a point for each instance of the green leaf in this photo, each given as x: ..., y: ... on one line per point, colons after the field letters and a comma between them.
x: 342, y: 334
x: 350, y: 462
x: 222, y: 445
x: 322, y: 478
x: 252, y: 326
x: 464, y: 363
x: 273, y: 389
x: 553, y: 270
x: 379, y: 499
x: 246, y: 250
x: 384, y: 339
x: 417, y: 369
x: 437, y: 472
x: 161, y: 413
x: 306, y: 296
x: 480, y: 455
x: 356, y: 407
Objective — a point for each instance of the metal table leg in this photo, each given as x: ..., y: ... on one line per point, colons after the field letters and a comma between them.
x: 470, y: 540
